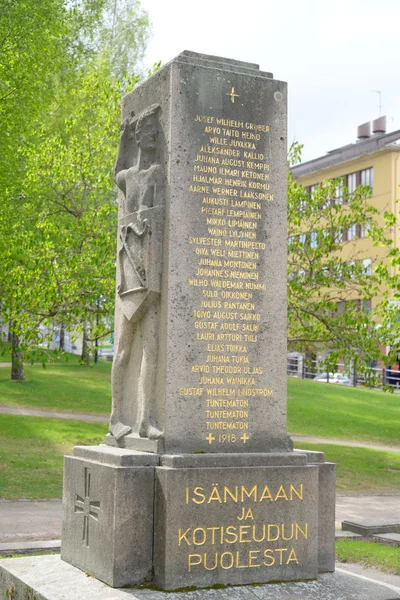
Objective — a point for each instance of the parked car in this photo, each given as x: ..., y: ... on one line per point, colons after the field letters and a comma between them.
x: 339, y: 378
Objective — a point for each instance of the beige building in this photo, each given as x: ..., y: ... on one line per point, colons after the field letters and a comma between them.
x: 373, y: 160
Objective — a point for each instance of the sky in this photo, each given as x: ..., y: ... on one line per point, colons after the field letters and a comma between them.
x: 334, y: 55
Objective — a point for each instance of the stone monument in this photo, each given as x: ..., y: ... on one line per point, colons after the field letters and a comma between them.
x: 197, y: 483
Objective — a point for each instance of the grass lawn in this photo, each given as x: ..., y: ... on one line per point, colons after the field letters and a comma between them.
x: 32, y: 450
x: 361, y: 470
x: 339, y: 412
x: 369, y: 554
x: 64, y: 386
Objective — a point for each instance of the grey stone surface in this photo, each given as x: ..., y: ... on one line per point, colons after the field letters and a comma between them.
x: 141, y: 180
x: 119, y: 457
x: 221, y: 143
x: 388, y: 537
x: 346, y: 535
x: 29, y: 547
x: 108, y: 520
x: 326, y: 516
x: 254, y: 459
x: 235, y: 526
x: 368, y: 527
x: 48, y: 578
x: 312, y: 455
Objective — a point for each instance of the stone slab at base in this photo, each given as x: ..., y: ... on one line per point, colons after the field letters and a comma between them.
x: 49, y: 578
x: 368, y: 527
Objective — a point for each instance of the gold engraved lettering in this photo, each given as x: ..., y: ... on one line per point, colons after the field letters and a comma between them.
x: 281, y: 493
x: 241, y: 493
x: 304, y: 531
x: 244, y: 531
x: 199, y: 540
x: 269, y: 558
x: 200, y: 369
x: 190, y: 391
x: 253, y: 556
x: 194, y: 559
x: 299, y: 492
x: 204, y: 119
x: 245, y: 514
x: 270, y: 536
x: 229, y: 562
x: 292, y: 557
x: 215, y: 495
x: 212, y: 568
x: 233, y: 536
x: 225, y: 403
x: 249, y: 494
x: 183, y: 536
x: 198, y: 492
x: 227, y: 425
x: 199, y: 189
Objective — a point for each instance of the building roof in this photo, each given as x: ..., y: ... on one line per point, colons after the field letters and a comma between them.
x: 376, y: 143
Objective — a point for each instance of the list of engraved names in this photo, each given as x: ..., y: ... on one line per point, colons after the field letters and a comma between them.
x: 229, y: 190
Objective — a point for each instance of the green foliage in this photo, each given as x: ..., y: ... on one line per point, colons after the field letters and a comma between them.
x: 343, y: 413
x: 58, y: 210
x: 369, y: 554
x: 329, y: 285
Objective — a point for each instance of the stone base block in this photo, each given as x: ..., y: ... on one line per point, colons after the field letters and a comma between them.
x: 368, y: 527
x: 236, y: 525
x: 48, y: 578
x: 198, y: 519
x: 108, y: 514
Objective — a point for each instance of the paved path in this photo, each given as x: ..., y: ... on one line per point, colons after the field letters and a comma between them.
x: 24, y: 520
x: 318, y: 440
x: 28, y: 412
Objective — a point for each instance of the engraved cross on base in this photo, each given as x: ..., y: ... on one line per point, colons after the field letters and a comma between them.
x: 87, y: 507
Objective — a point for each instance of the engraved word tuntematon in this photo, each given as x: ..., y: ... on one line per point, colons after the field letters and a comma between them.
x: 232, y: 94
x: 87, y: 507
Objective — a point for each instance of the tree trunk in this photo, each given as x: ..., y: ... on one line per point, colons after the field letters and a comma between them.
x: 17, y: 365
x: 96, y: 351
x: 85, y: 356
x: 62, y: 337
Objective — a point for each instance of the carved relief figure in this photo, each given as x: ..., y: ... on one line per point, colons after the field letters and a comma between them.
x: 139, y: 265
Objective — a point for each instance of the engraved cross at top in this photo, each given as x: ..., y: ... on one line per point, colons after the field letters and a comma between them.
x: 232, y: 94
x: 87, y: 507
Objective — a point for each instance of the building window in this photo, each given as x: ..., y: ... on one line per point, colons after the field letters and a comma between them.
x: 351, y: 183
x: 364, y: 229
x: 367, y: 266
x: 302, y: 238
x: 352, y: 233
x: 339, y: 193
x: 367, y: 177
x: 313, y: 239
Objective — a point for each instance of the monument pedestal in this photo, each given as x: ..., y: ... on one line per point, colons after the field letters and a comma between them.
x: 198, y: 519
